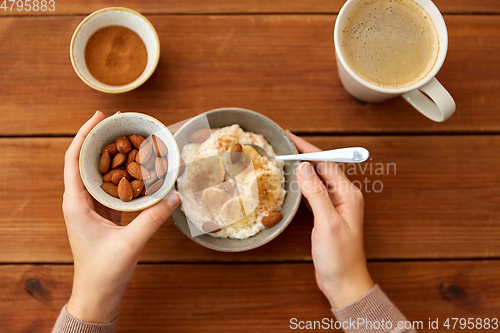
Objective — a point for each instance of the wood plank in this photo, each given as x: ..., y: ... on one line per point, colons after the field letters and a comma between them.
x: 280, y: 65
x: 248, y: 298
x: 230, y: 7
x: 436, y: 202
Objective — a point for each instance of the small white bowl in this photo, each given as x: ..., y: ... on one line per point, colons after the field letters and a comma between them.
x: 106, y: 132
x: 114, y: 16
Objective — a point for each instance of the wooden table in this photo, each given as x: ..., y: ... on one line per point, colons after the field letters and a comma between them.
x: 432, y: 236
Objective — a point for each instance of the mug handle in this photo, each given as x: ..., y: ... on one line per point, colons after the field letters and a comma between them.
x: 432, y: 100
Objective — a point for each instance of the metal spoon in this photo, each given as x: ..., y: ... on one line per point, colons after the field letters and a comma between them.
x: 342, y: 155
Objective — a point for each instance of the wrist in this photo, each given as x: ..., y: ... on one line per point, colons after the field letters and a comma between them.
x: 347, y: 291
x: 93, y: 308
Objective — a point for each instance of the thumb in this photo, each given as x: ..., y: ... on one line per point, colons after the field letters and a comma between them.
x: 315, y: 191
x: 143, y: 227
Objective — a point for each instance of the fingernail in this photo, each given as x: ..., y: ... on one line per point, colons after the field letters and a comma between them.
x: 306, y: 170
x: 95, y: 113
x: 118, y: 112
x: 173, y: 199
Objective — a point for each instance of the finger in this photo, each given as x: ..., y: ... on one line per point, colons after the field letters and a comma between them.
x: 315, y: 191
x: 330, y: 172
x: 72, y: 180
x: 149, y: 220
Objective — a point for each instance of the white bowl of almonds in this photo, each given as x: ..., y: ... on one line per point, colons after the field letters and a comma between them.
x: 129, y: 161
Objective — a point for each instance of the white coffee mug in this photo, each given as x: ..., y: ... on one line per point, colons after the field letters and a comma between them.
x: 428, y: 96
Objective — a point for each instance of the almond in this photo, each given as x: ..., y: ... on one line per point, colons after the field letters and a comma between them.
x: 105, y: 162
x: 137, y: 186
x: 137, y: 171
x: 144, y: 153
x: 271, y: 219
x: 143, y: 192
x: 199, y: 136
x: 110, y: 189
x: 131, y: 157
x: 107, y: 177
x: 136, y: 140
x: 125, y: 191
x: 236, y: 153
x: 182, y: 167
x: 153, y: 188
x: 123, y: 145
x: 152, y: 178
x: 159, y: 146
x: 111, y: 148
x: 150, y: 164
x: 118, y: 160
x: 161, y: 166
x: 228, y: 187
x: 210, y: 227
x: 118, y: 175
x: 153, y: 175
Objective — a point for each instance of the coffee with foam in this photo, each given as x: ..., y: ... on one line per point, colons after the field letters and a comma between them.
x: 389, y: 43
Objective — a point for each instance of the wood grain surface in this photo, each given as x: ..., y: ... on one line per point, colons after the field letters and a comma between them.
x: 229, y: 7
x: 280, y: 65
x: 431, y: 233
x: 236, y: 298
x: 434, y: 201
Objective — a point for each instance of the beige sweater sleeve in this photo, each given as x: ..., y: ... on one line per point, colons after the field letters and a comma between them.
x: 371, y: 311
x: 68, y: 324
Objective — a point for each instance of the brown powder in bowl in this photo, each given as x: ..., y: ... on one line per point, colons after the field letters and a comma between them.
x: 116, y: 55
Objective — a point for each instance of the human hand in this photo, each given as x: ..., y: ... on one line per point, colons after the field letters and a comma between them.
x: 337, y: 236
x: 105, y: 253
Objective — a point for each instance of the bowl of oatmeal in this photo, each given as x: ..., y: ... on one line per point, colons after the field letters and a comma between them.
x: 233, y: 198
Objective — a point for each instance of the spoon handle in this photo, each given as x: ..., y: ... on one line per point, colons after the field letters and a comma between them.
x: 343, y: 155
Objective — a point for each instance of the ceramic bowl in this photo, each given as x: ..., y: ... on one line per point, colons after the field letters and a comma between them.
x: 107, y: 17
x: 106, y: 132
x: 252, y: 122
